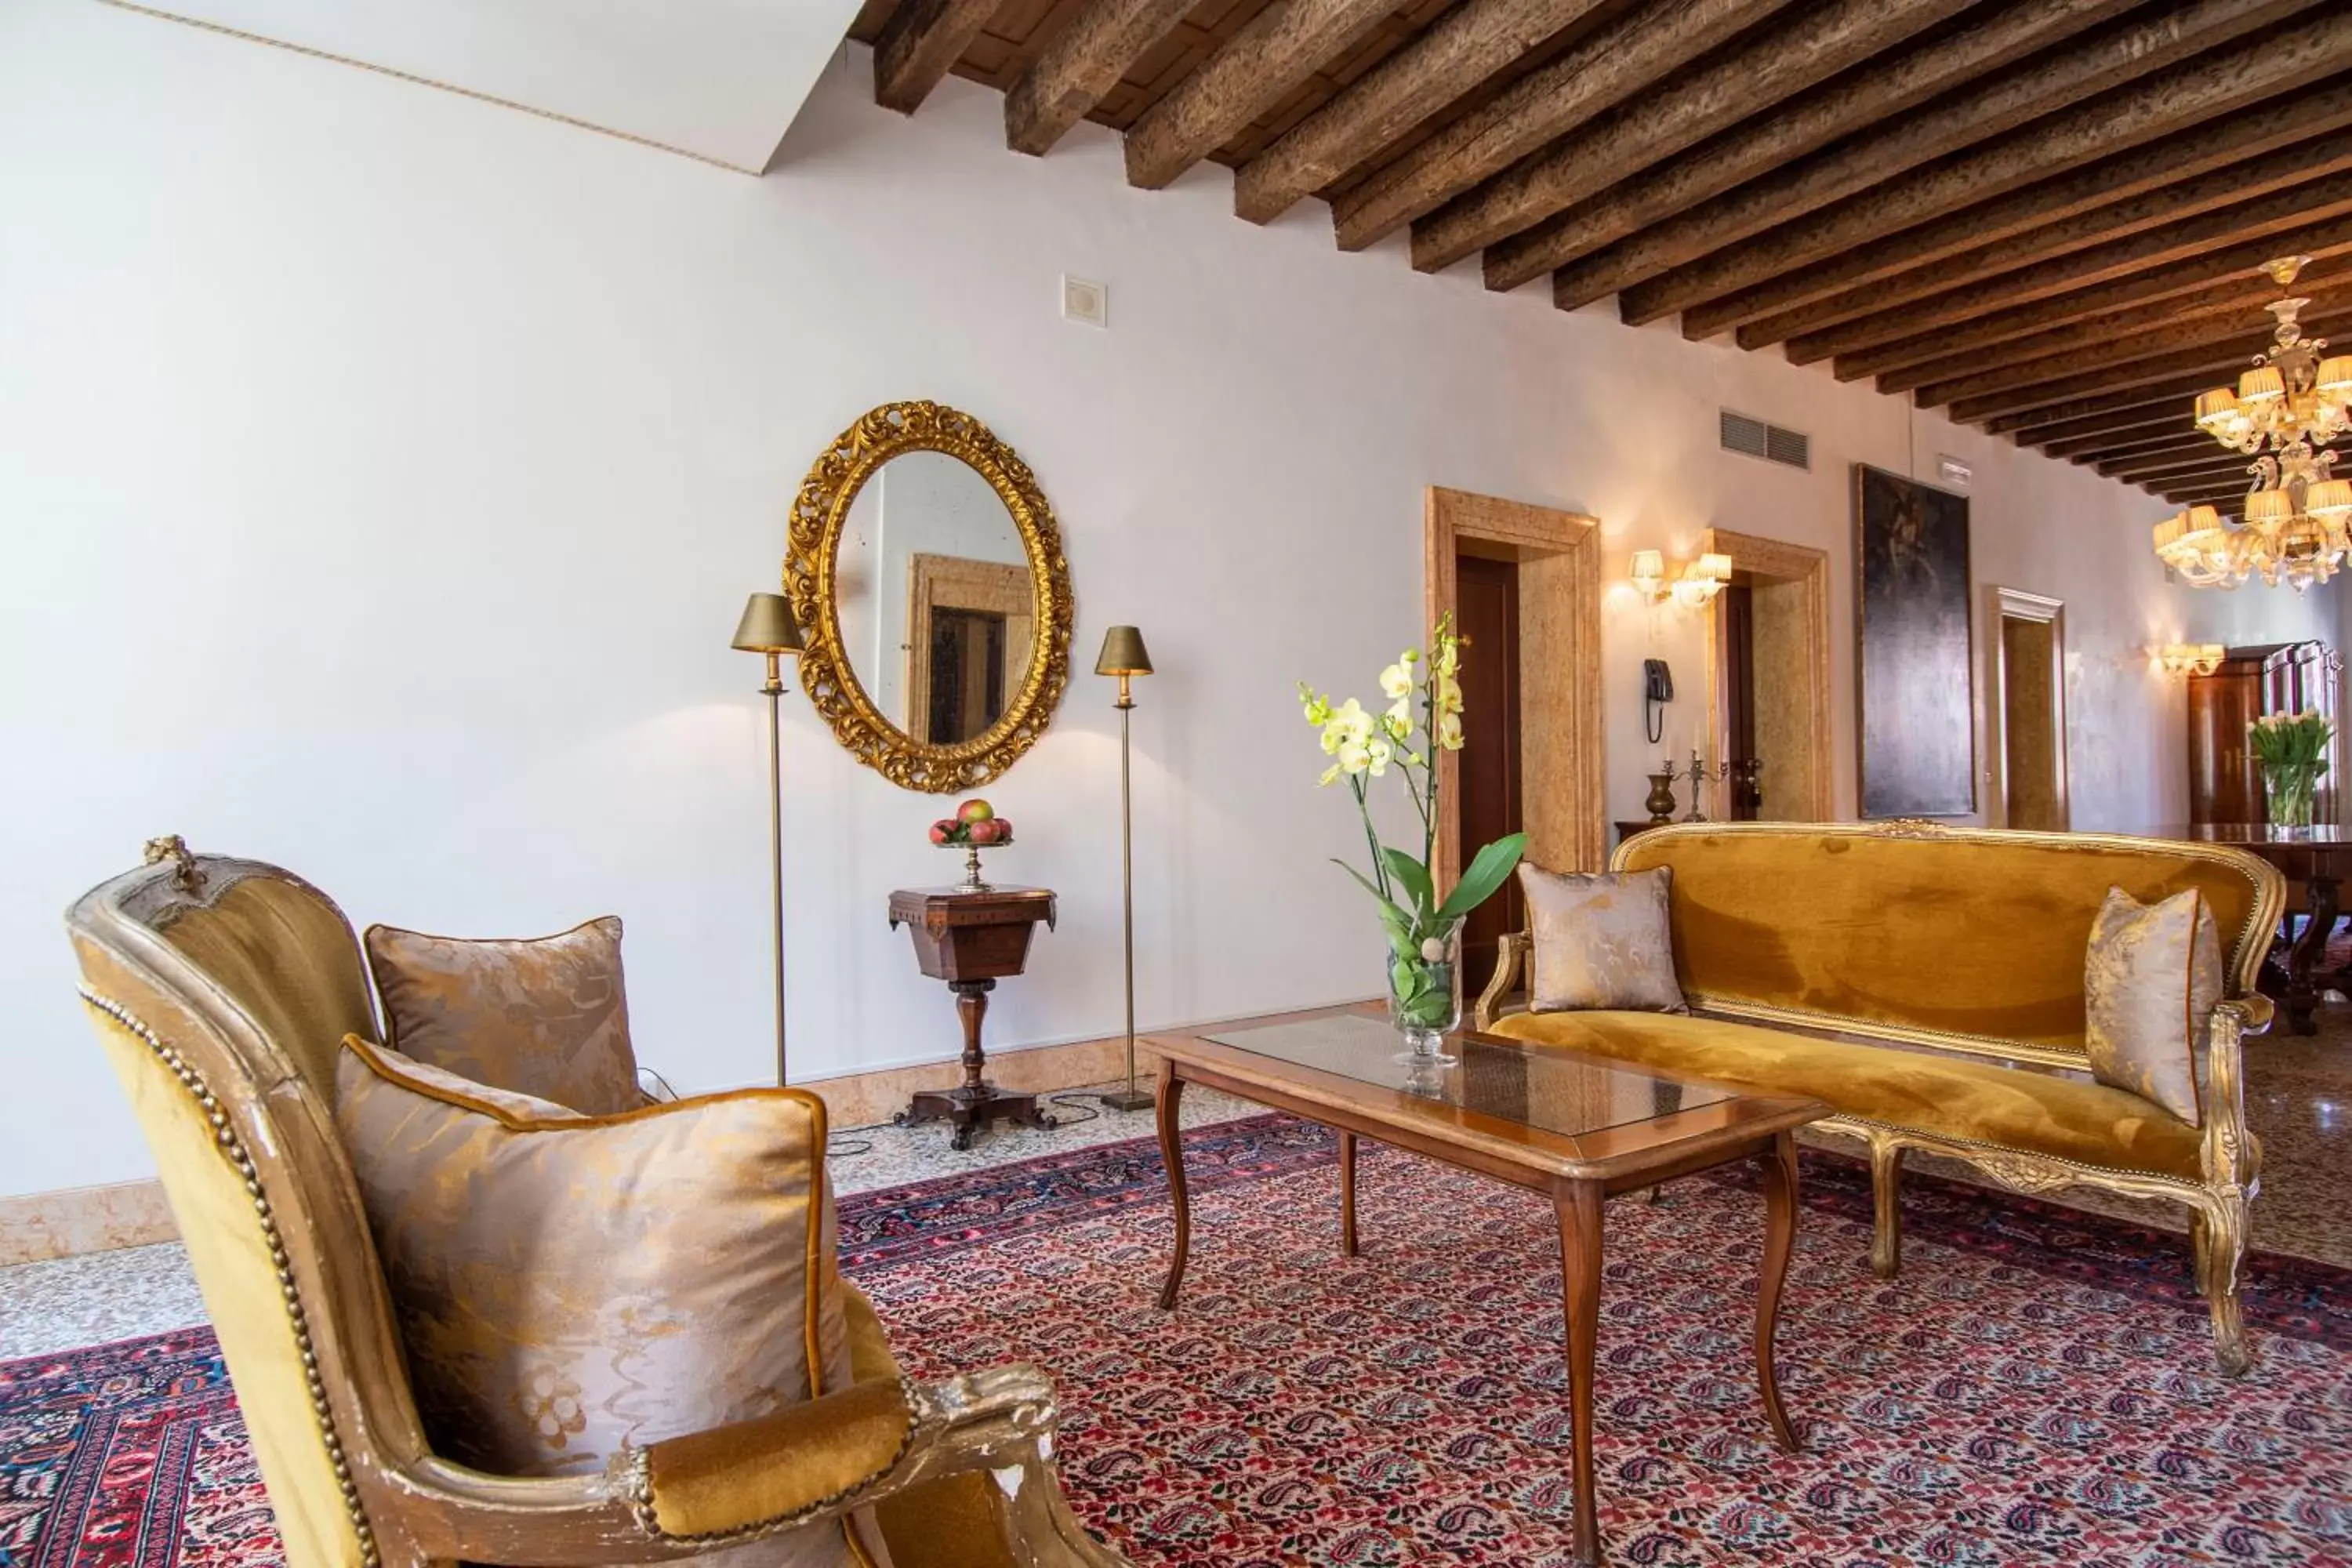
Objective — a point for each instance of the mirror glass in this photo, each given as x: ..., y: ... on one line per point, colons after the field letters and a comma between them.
x: 937, y: 615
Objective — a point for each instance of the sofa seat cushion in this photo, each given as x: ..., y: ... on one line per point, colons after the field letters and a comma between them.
x: 1950, y: 1096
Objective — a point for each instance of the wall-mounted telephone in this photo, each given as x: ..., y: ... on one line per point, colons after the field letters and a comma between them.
x: 1657, y: 686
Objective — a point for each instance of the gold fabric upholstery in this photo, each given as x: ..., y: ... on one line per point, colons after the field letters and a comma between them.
x: 229, y: 1253
x: 1601, y: 940
x: 733, y: 1476
x: 284, y: 955
x: 2152, y: 981
x: 547, y: 1016
x: 1973, y: 1102
x: 1980, y: 936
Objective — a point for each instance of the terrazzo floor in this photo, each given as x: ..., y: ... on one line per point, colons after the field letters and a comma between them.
x: 2298, y: 1100
x: 68, y: 1302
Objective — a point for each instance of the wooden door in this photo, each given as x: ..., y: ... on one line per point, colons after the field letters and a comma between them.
x: 1740, y: 697
x: 2224, y: 784
x: 1486, y: 600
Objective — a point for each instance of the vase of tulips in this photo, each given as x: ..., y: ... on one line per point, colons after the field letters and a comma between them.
x: 1422, y: 962
x: 2293, y: 750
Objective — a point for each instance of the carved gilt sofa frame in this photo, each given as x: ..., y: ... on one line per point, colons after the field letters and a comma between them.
x: 1753, y: 945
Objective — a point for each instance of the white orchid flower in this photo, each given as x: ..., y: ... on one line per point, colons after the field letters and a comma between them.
x: 1378, y: 753
x: 1396, y: 681
x: 1449, y: 730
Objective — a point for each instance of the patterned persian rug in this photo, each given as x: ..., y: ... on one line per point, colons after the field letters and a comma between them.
x: 2037, y: 1388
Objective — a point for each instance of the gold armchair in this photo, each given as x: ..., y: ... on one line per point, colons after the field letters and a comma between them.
x: 221, y: 990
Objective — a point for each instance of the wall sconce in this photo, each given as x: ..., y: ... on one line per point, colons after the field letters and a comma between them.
x: 2191, y: 658
x: 1699, y: 581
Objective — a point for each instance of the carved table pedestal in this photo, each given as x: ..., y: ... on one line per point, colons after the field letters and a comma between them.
x: 971, y: 940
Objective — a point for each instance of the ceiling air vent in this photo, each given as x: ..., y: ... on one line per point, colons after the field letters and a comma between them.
x: 1771, y: 442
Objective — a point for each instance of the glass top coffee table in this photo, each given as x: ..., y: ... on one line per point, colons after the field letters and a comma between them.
x: 1578, y: 1128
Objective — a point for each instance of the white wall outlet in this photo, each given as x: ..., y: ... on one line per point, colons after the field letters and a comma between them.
x: 1951, y: 471
x: 1086, y: 302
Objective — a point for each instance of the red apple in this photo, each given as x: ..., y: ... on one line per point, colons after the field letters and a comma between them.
x: 942, y: 831
x: 981, y: 832
x: 975, y: 811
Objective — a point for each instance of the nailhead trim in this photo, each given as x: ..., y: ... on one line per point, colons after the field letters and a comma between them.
x: 231, y: 1145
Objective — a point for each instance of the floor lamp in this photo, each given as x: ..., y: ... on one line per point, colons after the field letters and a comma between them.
x: 767, y: 628
x: 1123, y: 655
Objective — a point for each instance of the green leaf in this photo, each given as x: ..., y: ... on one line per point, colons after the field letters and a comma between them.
x: 1487, y: 872
x: 1407, y: 980
x: 1413, y: 877
x: 1398, y: 924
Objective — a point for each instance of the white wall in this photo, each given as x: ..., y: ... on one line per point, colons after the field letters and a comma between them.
x: 383, y: 471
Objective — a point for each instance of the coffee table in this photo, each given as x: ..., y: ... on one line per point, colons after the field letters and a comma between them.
x: 1578, y: 1128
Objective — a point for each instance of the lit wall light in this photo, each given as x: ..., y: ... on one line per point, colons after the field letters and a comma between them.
x: 1698, y: 581
x: 2190, y: 658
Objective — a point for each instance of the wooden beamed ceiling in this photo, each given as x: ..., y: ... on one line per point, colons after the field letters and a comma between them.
x: 2040, y: 217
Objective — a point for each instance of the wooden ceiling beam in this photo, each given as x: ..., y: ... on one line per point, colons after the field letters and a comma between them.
x: 1799, y: 52
x: 1251, y: 72
x: 1465, y: 47
x: 2158, y: 186
x: 2161, y: 429
x: 2238, y: 298
x: 2180, y: 438
x: 2220, y: 465
x: 2200, y: 82
x: 2080, y: 415
x: 2215, y: 335
x: 918, y: 44
x: 1589, y: 242
x: 1079, y: 65
x: 1614, y: 63
x: 2215, y: 363
x: 2155, y: 286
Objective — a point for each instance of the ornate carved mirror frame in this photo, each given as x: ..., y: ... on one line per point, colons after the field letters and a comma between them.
x: 812, y: 555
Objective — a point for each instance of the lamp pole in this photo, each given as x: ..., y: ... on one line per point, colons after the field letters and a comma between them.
x: 767, y: 628
x: 1124, y: 655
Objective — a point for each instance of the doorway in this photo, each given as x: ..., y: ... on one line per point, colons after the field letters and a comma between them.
x: 1538, y: 569
x: 2028, y: 713
x: 1486, y: 614
x: 1767, y: 669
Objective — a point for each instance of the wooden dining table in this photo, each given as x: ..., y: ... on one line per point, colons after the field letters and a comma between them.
x: 2318, y: 858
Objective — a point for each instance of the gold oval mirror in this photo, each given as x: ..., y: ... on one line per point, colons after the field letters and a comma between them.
x: 927, y: 575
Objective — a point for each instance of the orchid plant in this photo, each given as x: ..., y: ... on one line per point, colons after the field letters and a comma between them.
x: 1423, y: 717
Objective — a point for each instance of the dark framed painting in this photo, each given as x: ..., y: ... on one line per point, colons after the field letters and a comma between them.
x: 1913, y: 657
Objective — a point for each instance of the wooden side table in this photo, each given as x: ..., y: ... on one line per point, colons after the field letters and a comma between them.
x: 971, y: 940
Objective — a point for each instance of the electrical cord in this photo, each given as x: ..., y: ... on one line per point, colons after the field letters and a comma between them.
x: 834, y: 1148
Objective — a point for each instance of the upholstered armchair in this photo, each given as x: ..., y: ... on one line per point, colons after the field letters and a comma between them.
x: 221, y: 991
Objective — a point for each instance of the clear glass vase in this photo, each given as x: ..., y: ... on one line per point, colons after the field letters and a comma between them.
x: 1424, y: 990
x: 2286, y: 794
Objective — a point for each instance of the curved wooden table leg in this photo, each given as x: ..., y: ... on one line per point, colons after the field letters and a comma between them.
x: 1348, y: 1194
x: 1171, y: 1153
x: 1780, y: 1238
x: 2302, y: 990
x: 1577, y: 1204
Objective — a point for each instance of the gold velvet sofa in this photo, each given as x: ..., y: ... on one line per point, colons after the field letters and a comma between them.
x: 221, y: 991
x: 1928, y: 982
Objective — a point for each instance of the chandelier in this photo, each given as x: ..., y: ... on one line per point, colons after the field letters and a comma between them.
x: 2283, y: 412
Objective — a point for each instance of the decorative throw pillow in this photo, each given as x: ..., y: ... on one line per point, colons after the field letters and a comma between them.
x: 566, y: 1283
x: 543, y: 1016
x: 1601, y: 942
x: 2150, y: 984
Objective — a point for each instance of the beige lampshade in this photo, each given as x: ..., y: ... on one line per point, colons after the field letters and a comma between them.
x: 1648, y: 566
x: 2219, y: 407
x: 2328, y: 498
x: 2260, y: 384
x: 2334, y: 378
x: 767, y: 626
x: 1712, y: 567
x: 2268, y: 509
x: 1123, y: 653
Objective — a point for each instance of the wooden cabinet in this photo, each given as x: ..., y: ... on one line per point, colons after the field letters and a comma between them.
x: 2224, y: 783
